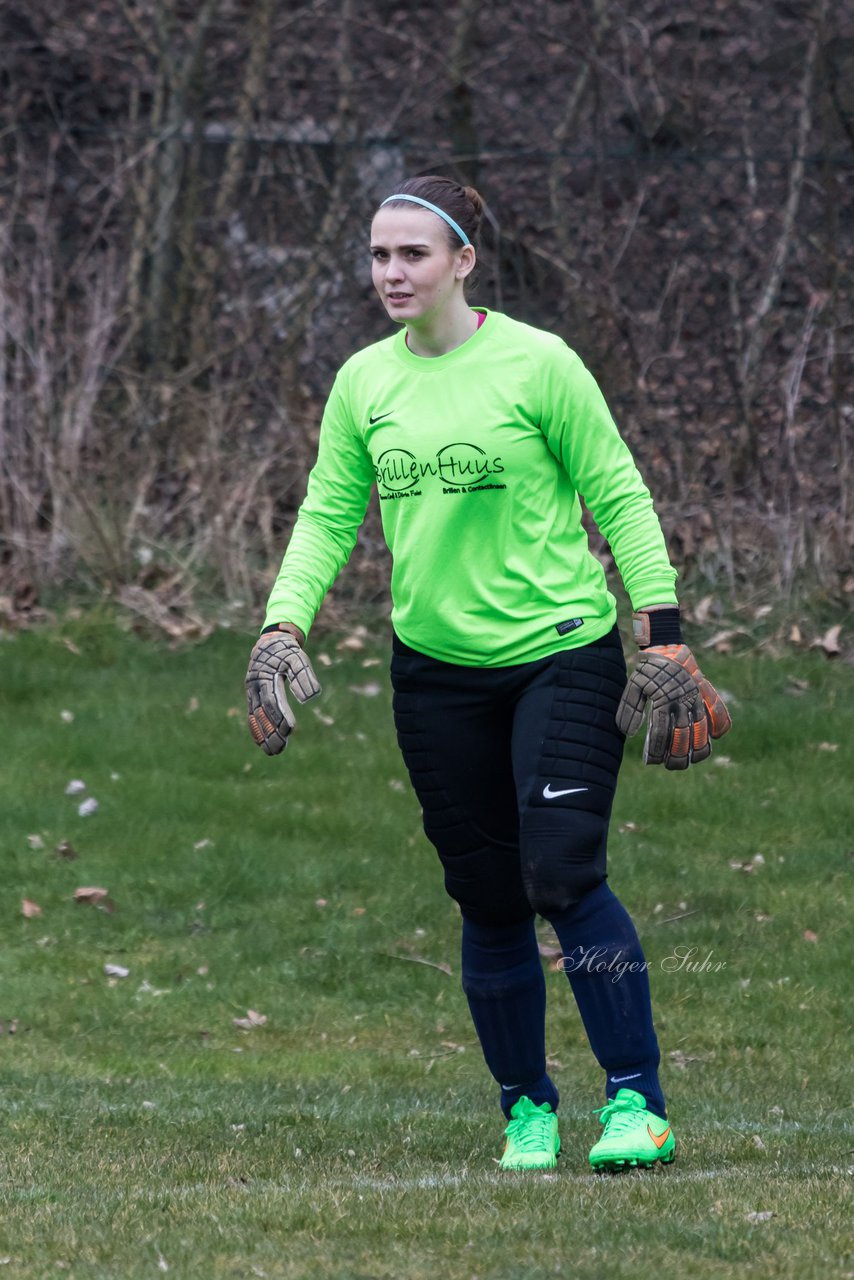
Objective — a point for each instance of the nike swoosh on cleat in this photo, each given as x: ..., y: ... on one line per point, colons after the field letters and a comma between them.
x: 552, y: 795
x: 659, y: 1140
x: 380, y: 417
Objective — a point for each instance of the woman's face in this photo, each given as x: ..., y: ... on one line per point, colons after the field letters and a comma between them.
x: 414, y: 271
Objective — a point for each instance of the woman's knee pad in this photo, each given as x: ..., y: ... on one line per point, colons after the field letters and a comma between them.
x: 561, y: 864
x: 486, y: 884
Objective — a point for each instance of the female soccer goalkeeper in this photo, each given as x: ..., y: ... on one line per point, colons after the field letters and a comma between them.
x: 511, y: 696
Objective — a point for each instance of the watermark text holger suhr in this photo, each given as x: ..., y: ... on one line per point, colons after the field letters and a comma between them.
x: 681, y: 959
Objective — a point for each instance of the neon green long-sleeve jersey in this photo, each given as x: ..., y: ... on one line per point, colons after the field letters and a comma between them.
x: 480, y: 458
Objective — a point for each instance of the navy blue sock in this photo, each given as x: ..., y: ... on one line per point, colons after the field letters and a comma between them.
x: 605, y: 964
x: 504, y: 984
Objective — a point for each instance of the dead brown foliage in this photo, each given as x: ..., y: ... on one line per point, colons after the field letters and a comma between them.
x: 184, y: 194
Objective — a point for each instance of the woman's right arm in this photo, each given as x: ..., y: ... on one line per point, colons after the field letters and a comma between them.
x: 339, y: 488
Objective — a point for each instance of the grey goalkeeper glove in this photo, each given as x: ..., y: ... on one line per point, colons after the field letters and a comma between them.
x: 277, y: 657
x: 685, y: 710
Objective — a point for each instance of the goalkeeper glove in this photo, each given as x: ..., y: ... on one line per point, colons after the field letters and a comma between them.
x: 685, y: 710
x: 277, y: 657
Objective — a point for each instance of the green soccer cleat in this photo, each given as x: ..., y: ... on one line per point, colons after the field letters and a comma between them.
x: 633, y: 1136
x: 532, y: 1137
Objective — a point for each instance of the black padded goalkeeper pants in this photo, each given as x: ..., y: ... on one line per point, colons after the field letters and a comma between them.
x: 515, y: 768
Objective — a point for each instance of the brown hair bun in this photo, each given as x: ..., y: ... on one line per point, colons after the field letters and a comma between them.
x: 477, y: 201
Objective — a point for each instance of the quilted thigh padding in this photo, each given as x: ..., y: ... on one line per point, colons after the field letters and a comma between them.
x: 454, y: 732
x: 567, y: 752
x: 515, y: 768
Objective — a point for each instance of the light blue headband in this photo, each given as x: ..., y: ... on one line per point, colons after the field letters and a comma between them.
x: 434, y: 208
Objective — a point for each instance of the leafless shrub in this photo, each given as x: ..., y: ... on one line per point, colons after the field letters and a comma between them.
x: 182, y: 268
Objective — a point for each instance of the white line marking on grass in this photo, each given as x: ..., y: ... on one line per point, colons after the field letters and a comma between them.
x: 406, y: 1184
x: 672, y: 1175
x: 772, y: 1127
x: 504, y: 1179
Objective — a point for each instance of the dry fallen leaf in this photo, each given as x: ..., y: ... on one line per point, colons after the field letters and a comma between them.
x: 756, y: 861
x: 555, y: 958
x: 350, y: 644
x: 721, y: 640
x: 704, y: 608
x: 827, y: 746
x: 30, y: 909
x: 192, y: 705
x: 146, y: 989
x: 369, y: 690
x: 809, y: 936
x: 95, y: 897
x: 65, y: 850
x: 253, y: 1019
x: 829, y: 642
x: 680, y: 1060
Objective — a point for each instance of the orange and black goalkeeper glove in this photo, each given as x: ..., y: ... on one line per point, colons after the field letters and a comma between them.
x: 277, y: 657
x: 685, y: 710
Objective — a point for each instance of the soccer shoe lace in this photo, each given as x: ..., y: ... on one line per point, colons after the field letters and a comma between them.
x: 619, y: 1117
x: 532, y: 1137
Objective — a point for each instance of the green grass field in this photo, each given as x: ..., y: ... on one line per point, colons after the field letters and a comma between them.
x: 354, y: 1134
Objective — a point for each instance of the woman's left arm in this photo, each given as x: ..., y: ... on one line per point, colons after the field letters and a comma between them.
x: 685, y: 710
x: 583, y: 436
